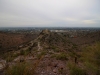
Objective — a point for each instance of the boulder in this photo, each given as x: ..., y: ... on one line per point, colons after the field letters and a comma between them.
x: 3, y: 64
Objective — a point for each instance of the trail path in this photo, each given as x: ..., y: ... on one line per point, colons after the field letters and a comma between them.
x: 39, y: 47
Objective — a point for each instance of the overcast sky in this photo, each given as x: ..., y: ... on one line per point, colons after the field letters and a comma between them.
x: 49, y: 13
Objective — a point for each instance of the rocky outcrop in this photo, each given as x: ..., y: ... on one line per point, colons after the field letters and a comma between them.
x: 3, y: 64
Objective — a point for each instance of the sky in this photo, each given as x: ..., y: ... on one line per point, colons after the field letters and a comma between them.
x: 49, y: 13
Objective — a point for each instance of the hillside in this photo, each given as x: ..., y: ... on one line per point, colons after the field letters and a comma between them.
x: 53, y: 54
x: 11, y: 40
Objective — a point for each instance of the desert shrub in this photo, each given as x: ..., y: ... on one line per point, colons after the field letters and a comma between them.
x: 35, y: 44
x: 27, y: 51
x: 74, y: 47
x: 9, y: 59
x: 92, y: 54
x: 20, y: 69
x: 72, y: 54
x: 52, y: 47
x: 16, y: 69
x: 75, y: 70
x: 56, y: 50
x: 41, y: 54
x: 61, y: 56
x: 24, y: 52
x: 15, y: 55
x: 91, y: 59
x: 91, y: 68
x: 9, y: 56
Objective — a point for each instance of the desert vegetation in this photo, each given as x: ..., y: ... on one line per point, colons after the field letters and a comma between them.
x: 51, y: 53
x: 20, y: 69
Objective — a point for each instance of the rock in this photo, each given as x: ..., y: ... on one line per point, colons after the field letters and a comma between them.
x: 55, y: 70
x: 46, y: 31
x: 61, y: 65
x: 29, y: 58
x: 19, y: 59
x: 3, y: 64
x: 47, y: 56
x: 54, y: 64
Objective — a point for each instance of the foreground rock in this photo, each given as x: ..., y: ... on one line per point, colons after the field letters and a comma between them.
x: 2, y: 64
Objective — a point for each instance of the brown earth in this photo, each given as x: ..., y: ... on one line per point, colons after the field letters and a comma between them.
x: 50, y: 53
x: 11, y: 40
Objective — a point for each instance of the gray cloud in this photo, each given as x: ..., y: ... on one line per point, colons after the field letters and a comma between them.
x: 66, y: 13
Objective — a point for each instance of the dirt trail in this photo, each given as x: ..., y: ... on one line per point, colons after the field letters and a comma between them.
x: 39, y: 47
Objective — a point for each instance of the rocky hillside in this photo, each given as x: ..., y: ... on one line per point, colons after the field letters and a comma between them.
x: 11, y: 40
x: 52, y: 40
x: 51, y: 54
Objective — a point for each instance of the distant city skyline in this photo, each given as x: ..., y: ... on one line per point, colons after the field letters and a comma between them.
x: 49, y: 13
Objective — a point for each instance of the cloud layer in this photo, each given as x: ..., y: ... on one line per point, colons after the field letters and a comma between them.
x: 49, y: 13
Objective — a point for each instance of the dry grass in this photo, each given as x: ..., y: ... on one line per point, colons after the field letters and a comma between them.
x: 21, y: 69
x: 91, y: 59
